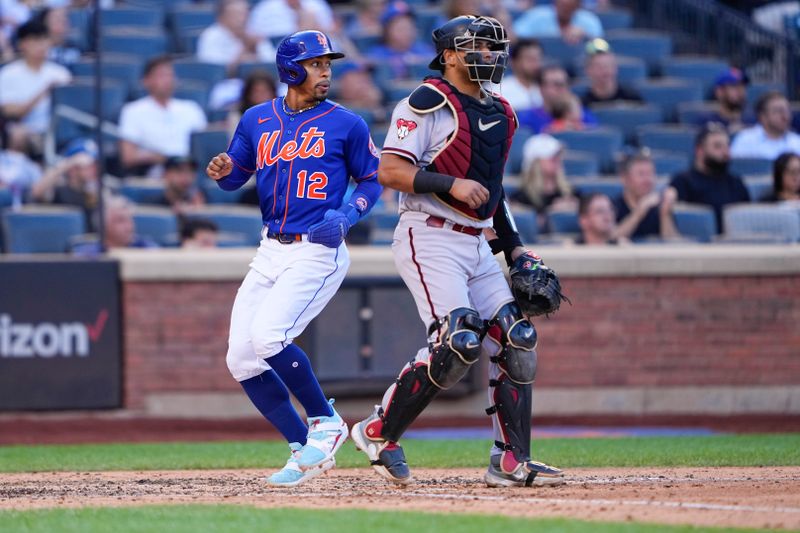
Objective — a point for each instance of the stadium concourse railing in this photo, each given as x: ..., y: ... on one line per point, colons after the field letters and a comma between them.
x: 710, y: 28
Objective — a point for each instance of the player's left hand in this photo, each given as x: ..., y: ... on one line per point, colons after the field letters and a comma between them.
x: 333, y: 228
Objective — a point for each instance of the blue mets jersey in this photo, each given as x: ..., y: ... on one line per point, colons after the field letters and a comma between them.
x: 302, y: 162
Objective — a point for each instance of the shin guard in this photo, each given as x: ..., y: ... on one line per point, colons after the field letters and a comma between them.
x: 512, y: 407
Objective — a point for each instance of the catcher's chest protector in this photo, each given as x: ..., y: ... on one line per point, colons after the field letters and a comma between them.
x: 479, y: 147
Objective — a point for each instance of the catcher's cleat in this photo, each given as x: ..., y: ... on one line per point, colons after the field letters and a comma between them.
x: 291, y: 475
x: 387, y: 458
x: 530, y: 474
x: 326, y: 434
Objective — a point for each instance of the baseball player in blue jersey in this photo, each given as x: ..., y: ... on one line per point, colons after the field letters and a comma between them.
x: 303, y: 149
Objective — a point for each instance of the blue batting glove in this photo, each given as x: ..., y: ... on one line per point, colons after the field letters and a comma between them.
x: 334, y: 226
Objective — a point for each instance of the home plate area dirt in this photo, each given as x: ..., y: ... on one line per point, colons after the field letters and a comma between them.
x: 767, y: 497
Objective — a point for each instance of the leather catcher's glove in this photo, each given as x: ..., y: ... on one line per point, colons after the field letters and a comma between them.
x: 535, y: 287
x: 333, y: 228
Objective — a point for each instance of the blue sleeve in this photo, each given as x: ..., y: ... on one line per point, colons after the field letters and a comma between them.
x: 362, y: 164
x: 241, y: 153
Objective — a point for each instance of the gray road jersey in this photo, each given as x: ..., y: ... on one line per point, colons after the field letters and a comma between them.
x: 419, y: 138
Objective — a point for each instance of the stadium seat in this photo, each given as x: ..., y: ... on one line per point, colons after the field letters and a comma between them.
x: 556, y: 49
x: 527, y: 224
x: 669, y: 163
x: 615, y: 19
x: 650, y: 46
x: 195, y: 91
x: 761, y: 223
x: 751, y: 166
x: 192, y: 70
x: 631, y: 70
x: 215, y: 195
x: 627, y: 117
x: 366, y: 43
x: 668, y: 93
x: 246, y: 68
x: 204, y: 145
x: 120, y: 16
x: 6, y: 197
x: 514, y: 161
x: 41, y: 229
x: 141, y: 42
x: 244, y: 220
x: 580, y: 164
x: 701, y: 69
x: 695, y: 221
x: 231, y: 240
x: 691, y: 113
x: 187, y: 42
x: 81, y: 96
x: 563, y: 222
x: 141, y: 191
x: 611, y: 187
x: 122, y: 68
x: 79, y: 20
x: 758, y: 188
x: 756, y: 89
x: 602, y: 142
x: 191, y: 17
x: 668, y: 137
x: 382, y: 225
x: 157, y: 223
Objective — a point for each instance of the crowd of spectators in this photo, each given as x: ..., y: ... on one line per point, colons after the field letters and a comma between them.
x: 388, y: 48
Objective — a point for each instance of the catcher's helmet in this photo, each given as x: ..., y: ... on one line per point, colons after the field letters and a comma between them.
x: 297, y: 47
x: 462, y: 35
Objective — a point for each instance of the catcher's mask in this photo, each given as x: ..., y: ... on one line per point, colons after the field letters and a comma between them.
x: 468, y: 34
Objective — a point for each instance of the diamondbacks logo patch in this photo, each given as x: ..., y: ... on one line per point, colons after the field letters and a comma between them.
x: 404, y: 127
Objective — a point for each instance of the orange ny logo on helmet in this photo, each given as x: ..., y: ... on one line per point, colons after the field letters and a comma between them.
x: 322, y: 40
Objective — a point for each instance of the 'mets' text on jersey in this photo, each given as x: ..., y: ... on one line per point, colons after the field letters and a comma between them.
x: 303, y: 161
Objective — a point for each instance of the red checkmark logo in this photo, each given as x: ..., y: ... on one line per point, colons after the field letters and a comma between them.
x: 96, y: 329
x: 263, y: 120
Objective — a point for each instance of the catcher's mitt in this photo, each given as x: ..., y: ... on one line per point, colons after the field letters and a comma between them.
x: 535, y: 287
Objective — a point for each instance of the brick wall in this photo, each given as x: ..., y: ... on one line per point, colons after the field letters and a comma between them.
x: 633, y: 331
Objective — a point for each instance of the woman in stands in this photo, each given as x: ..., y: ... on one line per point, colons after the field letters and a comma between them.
x: 785, y: 179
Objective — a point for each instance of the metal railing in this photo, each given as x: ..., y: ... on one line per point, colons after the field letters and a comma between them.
x: 710, y: 28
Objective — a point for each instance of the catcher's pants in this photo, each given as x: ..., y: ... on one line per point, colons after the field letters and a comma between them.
x: 287, y: 286
x: 446, y: 269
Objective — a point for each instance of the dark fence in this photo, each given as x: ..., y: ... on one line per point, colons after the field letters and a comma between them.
x: 709, y: 28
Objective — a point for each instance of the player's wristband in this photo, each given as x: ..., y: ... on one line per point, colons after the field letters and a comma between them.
x: 425, y: 182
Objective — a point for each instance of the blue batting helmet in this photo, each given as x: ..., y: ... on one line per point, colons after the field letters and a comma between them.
x: 297, y: 47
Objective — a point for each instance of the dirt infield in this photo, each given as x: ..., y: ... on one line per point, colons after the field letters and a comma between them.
x: 767, y: 497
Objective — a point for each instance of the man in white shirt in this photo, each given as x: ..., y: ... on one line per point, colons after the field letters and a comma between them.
x: 564, y: 19
x: 520, y: 88
x: 771, y: 136
x: 158, y: 125
x: 278, y: 18
x: 25, y: 84
x: 227, y: 42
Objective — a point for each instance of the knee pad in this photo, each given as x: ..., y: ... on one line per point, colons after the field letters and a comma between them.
x: 518, y: 339
x: 458, y: 347
x: 512, y: 407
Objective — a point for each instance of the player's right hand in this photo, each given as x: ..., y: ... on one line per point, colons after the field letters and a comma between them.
x: 219, y: 167
x: 470, y: 192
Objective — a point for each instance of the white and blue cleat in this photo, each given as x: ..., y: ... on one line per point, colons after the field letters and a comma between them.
x: 326, y: 434
x: 291, y: 475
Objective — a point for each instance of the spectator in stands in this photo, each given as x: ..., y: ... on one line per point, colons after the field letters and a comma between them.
x: 554, y: 84
x: 73, y: 180
x: 564, y: 19
x: 400, y: 46
x: 18, y: 172
x: 356, y: 90
x: 279, y: 18
x: 119, y: 229
x: 199, y: 233
x: 227, y: 42
x: 771, y: 136
x: 13, y: 14
x: 493, y: 8
x: 708, y: 181
x: 367, y: 21
x: 26, y: 84
x: 597, y: 220
x: 258, y: 87
x: 567, y: 115
x: 785, y: 179
x: 157, y: 126
x: 181, y: 192
x: 521, y: 88
x: 642, y: 212
x: 730, y: 92
x: 62, y: 50
x: 602, y: 70
x: 544, y: 185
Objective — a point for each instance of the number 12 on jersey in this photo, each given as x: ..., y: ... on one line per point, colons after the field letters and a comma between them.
x: 311, y: 186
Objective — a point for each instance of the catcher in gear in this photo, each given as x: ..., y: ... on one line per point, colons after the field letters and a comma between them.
x: 445, y: 153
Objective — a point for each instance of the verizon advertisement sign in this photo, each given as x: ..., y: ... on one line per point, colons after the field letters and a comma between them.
x: 59, y: 335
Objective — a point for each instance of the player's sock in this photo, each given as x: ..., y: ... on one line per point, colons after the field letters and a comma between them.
x: 271, y: 398
x: 294, y: 368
